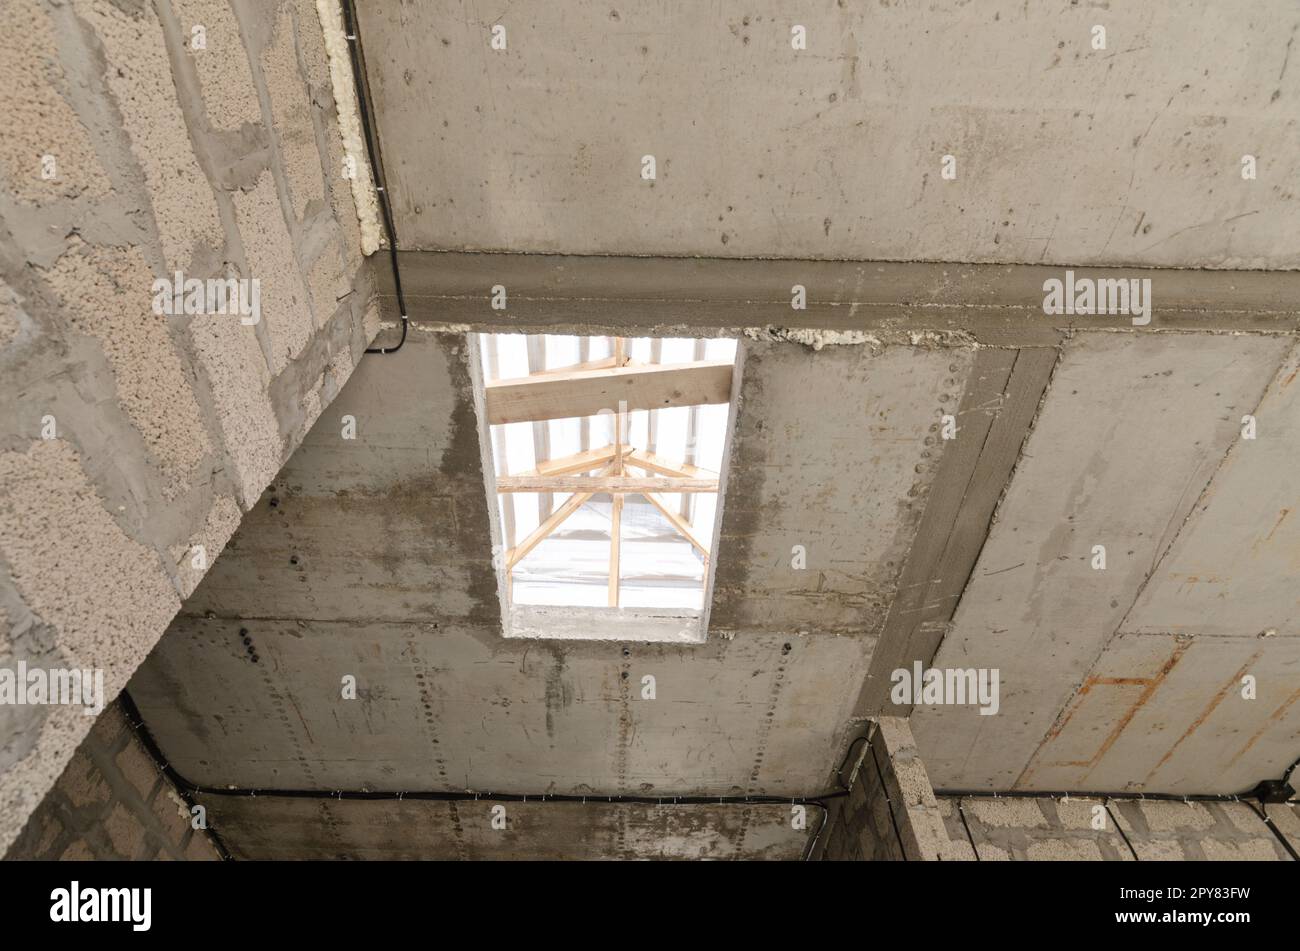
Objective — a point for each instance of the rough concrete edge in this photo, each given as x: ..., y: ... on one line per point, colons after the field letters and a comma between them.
x: 818, y: 338
x: 729, y: 445
x: 364, y: 196
x: 922, y: 830
x: 488, y: 462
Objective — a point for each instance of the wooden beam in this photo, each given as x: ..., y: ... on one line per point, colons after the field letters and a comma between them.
x: 620, y: 434
x: 615, y: 485
x: 567, y: 465
x: 587, y: 392
x: 652, y: 420
x: 683, y: 527
x: 584, y: 425
x: 615, y: 533
x: 692, y: 436
x: 648, y: 460
x: 536, y: 349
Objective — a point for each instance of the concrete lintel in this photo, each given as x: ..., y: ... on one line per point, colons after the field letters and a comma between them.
x: 998, y: 305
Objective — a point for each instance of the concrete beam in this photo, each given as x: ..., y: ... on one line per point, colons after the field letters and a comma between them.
x: 997, y: 410
x: 994, y: 304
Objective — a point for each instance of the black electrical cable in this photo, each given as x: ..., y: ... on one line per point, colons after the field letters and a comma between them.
x: 376, y: 169
x: 136, y: 724
x: 812, y: 845
x: 1120, y: 829
x: 848, y: 754
x: 189, y: 789
x: 966, y: 825
x: 1277, y: 833
x: 1044, y: 794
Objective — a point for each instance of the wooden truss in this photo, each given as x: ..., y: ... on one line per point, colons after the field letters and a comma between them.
x: 617, y: 470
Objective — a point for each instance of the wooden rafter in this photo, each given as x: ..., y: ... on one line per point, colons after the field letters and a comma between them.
x: 567, y: 465
x: 680, y: 524
x: 571, y: 505
x: 604, y: 363
x: 615, y: 485
x: 653, y: 463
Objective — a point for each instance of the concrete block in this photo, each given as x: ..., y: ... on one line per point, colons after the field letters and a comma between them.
x: 269, y: 249
x: 200, y: 849
x: 139, y: 75
x: 1064, y: 850
x: 223, y: 68
x: 78, y: 851
x: 106, y: 294
x: 1006, y: 813
x: 1255, y: 850
x: 137, y: 769
x: 40, y: 120
x: 125, y: 832
x: 84, y: 784
x: 173, y: 817
x: 293, y: 129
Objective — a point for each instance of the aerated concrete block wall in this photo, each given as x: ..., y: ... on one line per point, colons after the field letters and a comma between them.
x: 113, y: 802
x: 890, y: 813
x: 1094, y: 829
x: 147, y: 138
x: 893, y: 814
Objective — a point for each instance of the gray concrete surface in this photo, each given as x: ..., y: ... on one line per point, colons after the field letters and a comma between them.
x: 1064, y: 154
x: 370, y: 557
x: 273, y: 827
x: 162, y: 430
x: 393, y: 584
x: 1128, y: 452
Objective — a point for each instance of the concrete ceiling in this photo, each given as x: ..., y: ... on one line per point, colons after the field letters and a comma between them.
x: 372, y: 557
x: 1065, y: 154
x: 1130, y: 678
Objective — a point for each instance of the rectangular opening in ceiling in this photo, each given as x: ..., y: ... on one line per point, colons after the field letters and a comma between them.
x: 606, y: 463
